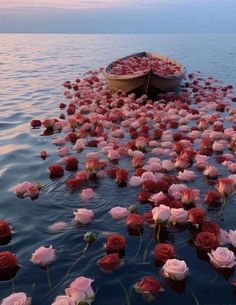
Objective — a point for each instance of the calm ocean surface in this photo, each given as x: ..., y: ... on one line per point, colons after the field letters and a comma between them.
x: 32, y: 69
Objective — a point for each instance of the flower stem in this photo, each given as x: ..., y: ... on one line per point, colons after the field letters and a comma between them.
x: 158, y: 226
x: 49, y: 279
x: 140, y: 245
x: 146, y: 250
x: 125, y: 292
x: 224, y: 205
x: 195, y: 298
x: 13, y: 285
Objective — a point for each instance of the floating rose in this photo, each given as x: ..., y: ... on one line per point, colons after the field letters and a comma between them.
x: 178, y: 216
x: 135, y: 223
x: 8, y: 265
x: 161, y: 214
x: 19, y: 298
x: 206, y: 241
x: 148, y: 286
x: 56, y: 171
x: 43, y: 256
x: 212, y: 197
x: 210, y: 226
x: 115, y: 243
x: 118, y: 212
x: 63, y: 300
x: 110, y: 262
x: 80, y: 290
x: 222, y: 258
x: 84, y: 216
x: 162, y: 252
x: 88, y: 194
x: 196, y: 215
x: 5, y: 231
x: 35, y: 123
x: 175, y: 269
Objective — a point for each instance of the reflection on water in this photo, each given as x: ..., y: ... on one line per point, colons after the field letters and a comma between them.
x: 32, y: 68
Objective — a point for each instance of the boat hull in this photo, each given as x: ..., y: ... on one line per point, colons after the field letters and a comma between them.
x: 144, y: 82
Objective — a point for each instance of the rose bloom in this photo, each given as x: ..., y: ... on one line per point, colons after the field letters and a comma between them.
x: 115, y: 243
x: 21, y: 188
x: 232, y: 238
x: 118, y: 212
x: 122, y: 175
x: 222, y: 258
x: 43, y: 256
x: 80, y: 290
x: 159, y: 198
x: 210, y: 226
x: 206, y: 241
x: 178, y: 216
x: 135, y: 222
x: 167, y: 165
x: 181, y: 163
x: 32, y: 191
x: 186, y: 175
x: 161, y: 213
x: 63, y: 300
x: 175, y: 269
x: 212, y: 197
x: 84, y: 216
x: 189, y: 196
x: 79, y: 145
x: 223, y: 237
x: 8, y: 261
x: 135, y: 181
x: 137, y: 161
x: 109, y: 262
x: 19, y: 298
x: 162, y: 252
x: 196, y: 215
x: 225, y: 186
x: 56, y: 171
x: 5, y: 229
x: 148, y: 285
x: 211, y: 172
x: 88, y: 194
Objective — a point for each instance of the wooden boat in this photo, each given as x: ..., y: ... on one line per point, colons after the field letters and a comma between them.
x: 145, y: 82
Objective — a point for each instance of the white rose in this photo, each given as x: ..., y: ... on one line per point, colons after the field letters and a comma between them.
x: 175, y: 269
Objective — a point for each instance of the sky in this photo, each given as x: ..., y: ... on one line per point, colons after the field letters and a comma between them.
x: 117, y: 16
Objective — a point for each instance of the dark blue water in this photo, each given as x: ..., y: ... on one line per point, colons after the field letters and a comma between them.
x: 32, y: 68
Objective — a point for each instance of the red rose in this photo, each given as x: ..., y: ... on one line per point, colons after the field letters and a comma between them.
x: 135, y: 222
x: 139, y: 171
x: 143, y: 196
x: 56, y: 171
x: 162, y: 186
x: 162, y: 252
x: 72, y: 163
x: 8, y: 261
x: 35, y: 123
x: 115, y: 243
x: 71, y: 137
x: 196, y: 215
x: 74, y: 183
x: 148, y: 284
x: 148, y: 217
x: 149, y: 186
x: 212, y: 197
x: 109, y: 262
x: 62, y: 105
x: 175, y: 204
x: 112, y: 172
x: 122, y: 176
x: 206, y: 241
x: 210, y: 226
x: 5, y: 230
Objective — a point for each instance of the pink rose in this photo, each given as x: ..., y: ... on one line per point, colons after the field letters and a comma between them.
x: 218, y: 147
x: 19, y: 298
x: 135, y: 181
x: 181, y: 163
x: 211, y: 172
x: 118, y: 212
x: 223, y: 237
x: 167, y: 165
x: 79, y: 145
x: 232, y: 238
x: 63, y: 300
x: 186, y: 175
x: 58, y: 226
x: 158, y: 198
x: 222, y: 258
x: 32, y: 191
x: 113, y: 155
x: 21, y: 188
x: 225, y: 186
x: 84, y: 216
x: 176, y: 189
x: 80, y: 290
x: 175, y: 269
x: 178, y: 216
x: 63, y: 151
x: 43, y: 256
x: 161, y: 213
x: 88, y: 194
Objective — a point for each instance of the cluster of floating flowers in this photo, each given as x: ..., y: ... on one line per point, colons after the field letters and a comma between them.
x: 137, y: 65
x: 167, y: 143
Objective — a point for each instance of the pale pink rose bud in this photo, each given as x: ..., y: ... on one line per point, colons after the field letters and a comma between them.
x: 113, y: 155
x: 147, y: 176
x: 178, y: 216
x: 225, y: 186
x: 135, y: 181
x: 211, y: 172
x: 118, y: 212
x: 21, y: 188
x: 43, y: 256
x: 63, y: 300
x: 158, y: 198
x: 79, y: 145
x: 58, y: 226
x: 80, y: 290
x: 223, y: 237
x: 32, y: 191
x: 232, y: 238
x: 222, y: 258
x: 19, y: 298
x: 175, y: 269
x: 84, y: 216
x: 161, y: 213
x: 218, y: 147
x: 63, y: 151
x: 167, y: 165
x: 186, y: 175
x: 88, y: 194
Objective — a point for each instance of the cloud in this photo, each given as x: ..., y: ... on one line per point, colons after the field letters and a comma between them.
x: 76, y: 4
